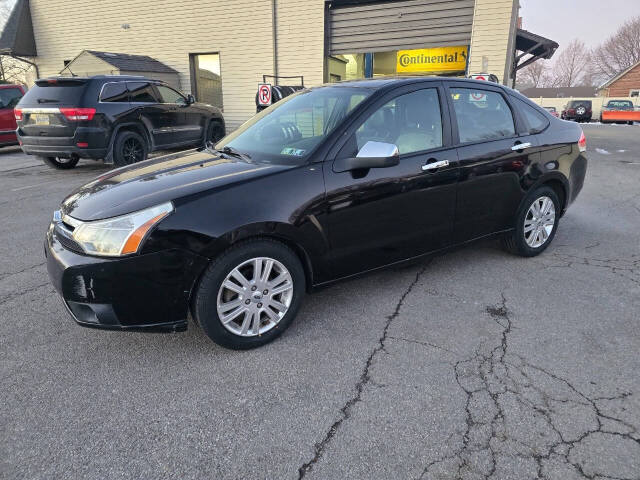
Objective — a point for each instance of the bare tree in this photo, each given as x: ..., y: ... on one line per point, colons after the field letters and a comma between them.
x: 572, y: 66
x: 12, y: 70
x: 620, y: 51
x: 534, y: 75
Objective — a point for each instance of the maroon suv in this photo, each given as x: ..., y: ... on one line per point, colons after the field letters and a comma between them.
x: 9, y: 97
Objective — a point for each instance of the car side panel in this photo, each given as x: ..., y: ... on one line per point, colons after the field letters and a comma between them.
x: 214, y: 220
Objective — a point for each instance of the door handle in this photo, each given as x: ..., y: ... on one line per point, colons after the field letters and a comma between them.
x: 520, y: 146
x: 435, y: 165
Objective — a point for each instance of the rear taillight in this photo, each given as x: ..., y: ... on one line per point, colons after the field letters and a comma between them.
x: 582, y: 143
x: 78, y: 114
x: 17, y: 113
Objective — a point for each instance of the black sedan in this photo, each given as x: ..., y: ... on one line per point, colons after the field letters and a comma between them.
x: 326, y: 184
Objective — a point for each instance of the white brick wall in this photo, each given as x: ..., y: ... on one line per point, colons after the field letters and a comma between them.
x: 239, y: 30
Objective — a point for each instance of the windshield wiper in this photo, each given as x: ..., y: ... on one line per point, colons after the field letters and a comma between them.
x: 232, y: 151
x: 229, y: 151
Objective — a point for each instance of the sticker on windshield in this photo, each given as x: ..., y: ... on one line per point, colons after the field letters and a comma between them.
x: 298, y: 152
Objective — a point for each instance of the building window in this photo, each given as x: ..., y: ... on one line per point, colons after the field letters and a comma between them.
x: 634, y: 93
x: 206, y: 79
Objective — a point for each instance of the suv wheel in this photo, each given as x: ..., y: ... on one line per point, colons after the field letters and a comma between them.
x: 250, y: 294
x: 536, y: 223
x: 129, y: 148
x: 60, y: 163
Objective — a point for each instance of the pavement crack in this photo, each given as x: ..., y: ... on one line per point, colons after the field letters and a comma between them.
x: 15, y: 295
x: 22, y: 270
x: 503, y: 391
x: 363, y: 381
x: 423, y: 343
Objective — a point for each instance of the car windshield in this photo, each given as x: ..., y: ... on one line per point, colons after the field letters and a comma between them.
x: 288, y: 131
x: 620, y: 103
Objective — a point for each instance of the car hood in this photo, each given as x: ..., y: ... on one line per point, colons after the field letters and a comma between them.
x: 155, y: 181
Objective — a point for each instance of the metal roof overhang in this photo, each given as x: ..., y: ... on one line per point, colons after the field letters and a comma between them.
x: 17, y: 38
x: 531, y: 44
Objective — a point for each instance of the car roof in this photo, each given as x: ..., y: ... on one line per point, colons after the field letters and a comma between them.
x: 104, y: 78
x: 382, y: 82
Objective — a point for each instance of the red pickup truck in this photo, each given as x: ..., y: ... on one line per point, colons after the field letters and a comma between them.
x: 10, y: 95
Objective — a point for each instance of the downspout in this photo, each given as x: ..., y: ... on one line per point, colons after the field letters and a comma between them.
x: 274, y: 30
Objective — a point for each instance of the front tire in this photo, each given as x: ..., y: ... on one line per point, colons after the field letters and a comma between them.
x: 129, y: 148
x: 215, y: 133
x: 60, y: 163
x: 250, y: 294
x: 536, y: 223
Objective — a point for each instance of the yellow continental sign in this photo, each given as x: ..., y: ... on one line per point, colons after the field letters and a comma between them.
x: 441, y: 59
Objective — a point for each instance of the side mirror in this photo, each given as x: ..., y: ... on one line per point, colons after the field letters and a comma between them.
x: 371, y: 155
x: 190, y: 99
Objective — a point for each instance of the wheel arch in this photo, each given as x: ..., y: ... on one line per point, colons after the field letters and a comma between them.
x: 138, y: 128
x: 561, y: 191
x: 234, y: 239
x: 214, y: 120
x: 557, y: 182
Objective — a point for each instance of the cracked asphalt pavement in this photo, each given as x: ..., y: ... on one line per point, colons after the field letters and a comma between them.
x: 472, y: 365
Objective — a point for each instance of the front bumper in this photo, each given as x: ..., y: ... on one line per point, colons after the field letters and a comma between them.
x: 147, y: 292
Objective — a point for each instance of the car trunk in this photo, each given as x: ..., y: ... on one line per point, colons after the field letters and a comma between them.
x: 41, y: 107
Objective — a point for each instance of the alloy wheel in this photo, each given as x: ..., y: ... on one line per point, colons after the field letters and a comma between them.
x: 132, y: 151
x: 539, y: 222
x: 254, y: 297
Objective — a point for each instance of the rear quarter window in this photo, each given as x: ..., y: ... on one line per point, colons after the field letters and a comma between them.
x: 536, y: 121
x: 114, y: 92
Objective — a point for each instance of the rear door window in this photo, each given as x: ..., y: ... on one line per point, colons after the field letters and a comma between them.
x: 9, y: 97
x: 481, y: 115
x: 536, y: 121
x: 114, y: 92
x: 142, y: 92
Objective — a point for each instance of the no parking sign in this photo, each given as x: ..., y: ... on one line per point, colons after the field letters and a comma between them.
x: 264, y: 94
x: 477, y: 96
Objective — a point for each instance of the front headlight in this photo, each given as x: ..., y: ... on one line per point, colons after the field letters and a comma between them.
x: 119, y: 235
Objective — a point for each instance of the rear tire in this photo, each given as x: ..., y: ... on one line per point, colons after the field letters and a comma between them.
x: 129, y: 148
x: 272, y: 312
x: 60, y: 163
x: 535, y: 227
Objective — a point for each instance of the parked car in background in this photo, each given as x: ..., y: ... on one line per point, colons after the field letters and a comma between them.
x: 116, y: 118
x: 577, y: 110
x: 617, y: 106
x: 10, y: 95
x: 552, y: 111
x: 326, y: 184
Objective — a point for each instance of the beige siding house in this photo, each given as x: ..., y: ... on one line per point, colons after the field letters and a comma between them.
x: 240, y: 41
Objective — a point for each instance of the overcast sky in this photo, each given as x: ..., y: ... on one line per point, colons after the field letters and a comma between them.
x: 592, y: 21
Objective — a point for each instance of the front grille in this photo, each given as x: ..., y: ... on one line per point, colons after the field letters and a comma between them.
x: 66, y: 241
